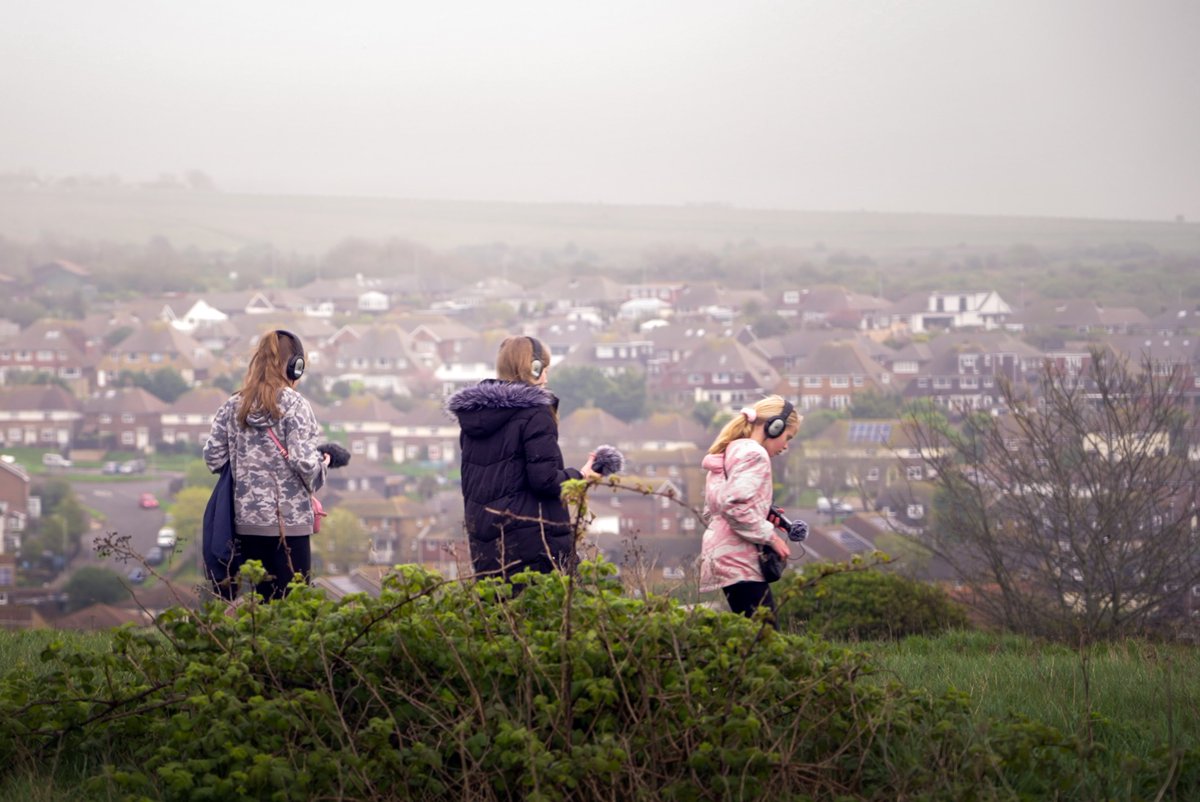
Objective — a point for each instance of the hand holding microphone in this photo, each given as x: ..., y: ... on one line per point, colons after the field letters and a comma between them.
x: 797, y: 531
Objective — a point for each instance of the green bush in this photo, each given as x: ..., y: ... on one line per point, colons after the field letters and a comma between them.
x: 865, y: 604
x: 570, y: 690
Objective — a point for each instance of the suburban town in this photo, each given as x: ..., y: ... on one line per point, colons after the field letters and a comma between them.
x: 649, y: 368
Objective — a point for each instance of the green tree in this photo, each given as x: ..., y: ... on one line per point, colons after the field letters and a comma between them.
x: 769, y: 324
x: 93, y: 585
x: 704, y: 412
x: 165, y: 383
x: 343, y: 543
x: 623, y: 396
x: 197, y: 474
x: 626, y: 398
x: 1070, y: 516
x: 188, y: 511
x: 876, y: 404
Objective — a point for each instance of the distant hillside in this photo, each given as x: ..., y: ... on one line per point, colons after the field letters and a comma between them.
x: 313, y: 225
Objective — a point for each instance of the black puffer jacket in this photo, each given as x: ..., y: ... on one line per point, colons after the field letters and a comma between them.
x: 512, y: 473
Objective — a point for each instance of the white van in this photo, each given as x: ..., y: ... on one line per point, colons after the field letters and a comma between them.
x: 166, y: 537
x: 54, y: 460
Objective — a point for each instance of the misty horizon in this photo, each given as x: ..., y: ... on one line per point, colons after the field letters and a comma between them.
x: 1073, y: 109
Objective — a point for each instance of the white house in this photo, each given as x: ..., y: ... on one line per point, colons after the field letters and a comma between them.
x: 962, y: 310
x: 200, y: 314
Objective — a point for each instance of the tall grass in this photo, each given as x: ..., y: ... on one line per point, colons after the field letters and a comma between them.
x: 1145, y: 694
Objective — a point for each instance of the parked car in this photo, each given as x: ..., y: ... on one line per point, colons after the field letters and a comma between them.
x: 133, y: 466
x: 148, y: 501
x: 110, y: 467
x: 136, y: 575
x: 53, y: 460
x: 834, y: 506
x: 154, y: 556
x: 166, y: 537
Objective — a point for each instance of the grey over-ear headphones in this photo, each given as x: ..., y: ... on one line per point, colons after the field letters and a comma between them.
x: 295, y: 363
x: 777, y: 424
x: 539, y: 358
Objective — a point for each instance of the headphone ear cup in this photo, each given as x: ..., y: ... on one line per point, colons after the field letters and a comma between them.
x: 535, y: 368
x: 775, y: 427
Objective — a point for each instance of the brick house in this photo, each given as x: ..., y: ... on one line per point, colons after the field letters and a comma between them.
x: 14, y: 505
x: 367, y: 422
x: 189, y: 419
x: 55, y: 347
x: 837, y: 371
x: 722, y: 371
x: 39, y: 415
x: 153, y: 347
x: 125, y: 418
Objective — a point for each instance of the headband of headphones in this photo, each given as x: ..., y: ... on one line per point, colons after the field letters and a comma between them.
x: 295, y: 363
x: 777, y: 424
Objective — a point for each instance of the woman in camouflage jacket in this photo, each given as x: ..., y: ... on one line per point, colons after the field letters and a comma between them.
x: 269, y: 436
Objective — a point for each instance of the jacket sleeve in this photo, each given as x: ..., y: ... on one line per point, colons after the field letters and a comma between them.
x: 544, y: 470
x: 742, y: 497
x: 302, y: 435
x: 216, y: 448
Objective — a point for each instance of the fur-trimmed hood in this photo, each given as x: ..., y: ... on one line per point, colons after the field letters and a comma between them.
x: 487, y: 406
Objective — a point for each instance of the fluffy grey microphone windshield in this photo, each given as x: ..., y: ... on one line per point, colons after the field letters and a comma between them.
x: 608, y: 460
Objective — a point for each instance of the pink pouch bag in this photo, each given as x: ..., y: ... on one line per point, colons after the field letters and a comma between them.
x: 318, y: 508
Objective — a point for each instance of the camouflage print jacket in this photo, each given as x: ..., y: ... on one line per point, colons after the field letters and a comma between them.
x: 264, y: 481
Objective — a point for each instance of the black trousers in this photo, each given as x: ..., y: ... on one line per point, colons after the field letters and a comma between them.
x: 746, y: 597
x: 281, y: 558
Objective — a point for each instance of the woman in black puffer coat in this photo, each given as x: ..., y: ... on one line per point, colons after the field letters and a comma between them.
x: 512, y: 468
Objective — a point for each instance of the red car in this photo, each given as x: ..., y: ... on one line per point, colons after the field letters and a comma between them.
x: 147, y: 501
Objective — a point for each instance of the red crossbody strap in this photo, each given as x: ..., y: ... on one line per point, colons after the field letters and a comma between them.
x: 282, y: 450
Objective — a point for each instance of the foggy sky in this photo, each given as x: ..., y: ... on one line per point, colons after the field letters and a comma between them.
x: 1079, y: 108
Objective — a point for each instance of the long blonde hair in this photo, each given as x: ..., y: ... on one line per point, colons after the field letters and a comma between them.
x: 742, y: 425
x: 266, y: 376
x: 514, y: 362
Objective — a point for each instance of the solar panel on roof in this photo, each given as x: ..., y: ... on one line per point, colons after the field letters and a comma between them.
x: 870, y: 432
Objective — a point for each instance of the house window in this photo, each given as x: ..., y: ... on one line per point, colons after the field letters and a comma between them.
x: 358, y: 447
x: 812, y: 381
x: 126, y: 417
x: 695, y: 378
x: 839, y: 401
x: 6, y: 575
x: 839, y: 381
x: 858, y: 381
x: 689, y: 524
x: 916, y: 511
x: 923, y: 383
x: 914, y: 473
x: 665, y: 525
x: 126, y: 438
x: 872, y: 474
x: 45, y: 356
x: 941, y: 383
x: 156, y: 357
x: 720, y: 378
x: 105, y: 418
x: 791, y: 297
x: 968, y: 383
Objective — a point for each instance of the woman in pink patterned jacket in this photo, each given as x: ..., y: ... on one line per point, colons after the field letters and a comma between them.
x: 737, y: 495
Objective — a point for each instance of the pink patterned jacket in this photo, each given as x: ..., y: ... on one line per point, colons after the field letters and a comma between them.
x: 737, y: 494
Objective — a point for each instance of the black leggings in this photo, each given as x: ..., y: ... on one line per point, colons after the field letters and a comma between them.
x: 281, y: 559
x: 746, y: 597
